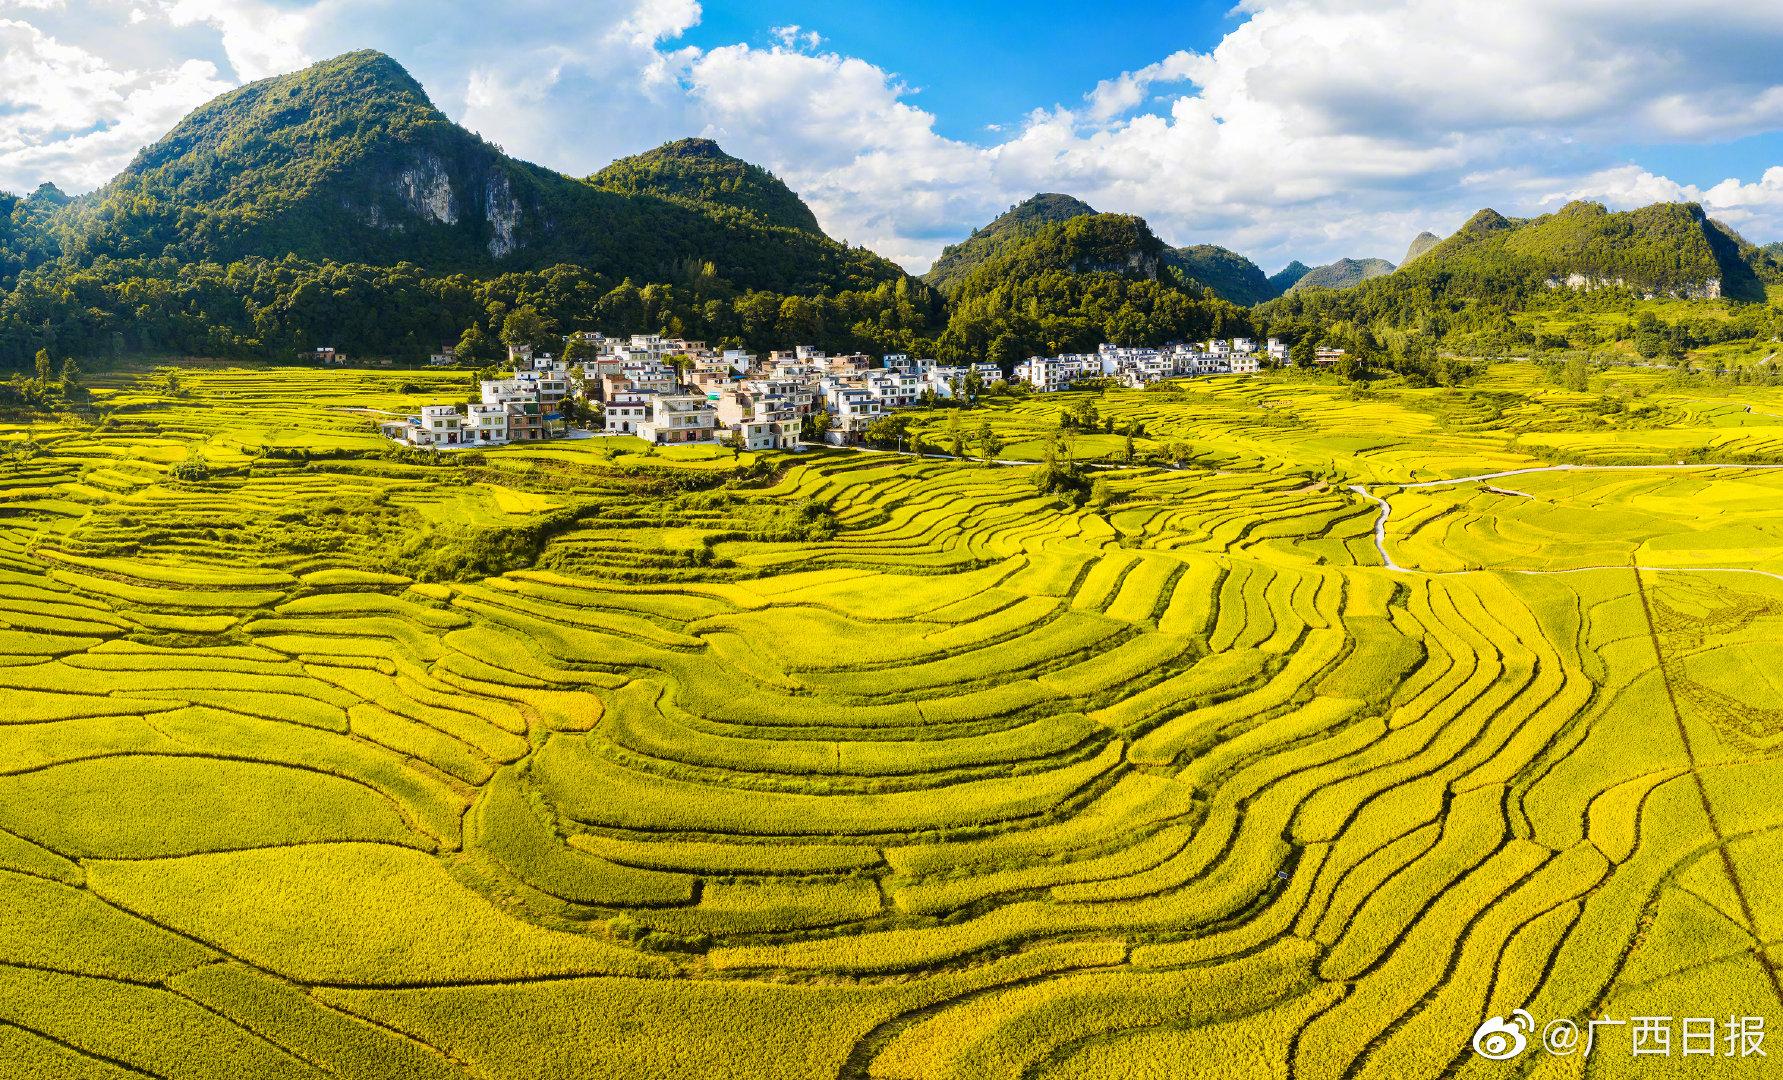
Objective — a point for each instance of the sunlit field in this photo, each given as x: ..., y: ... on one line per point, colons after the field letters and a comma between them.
x: 1381, y: 715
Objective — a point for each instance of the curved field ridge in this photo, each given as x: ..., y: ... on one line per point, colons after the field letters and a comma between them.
x: 1298, y: 761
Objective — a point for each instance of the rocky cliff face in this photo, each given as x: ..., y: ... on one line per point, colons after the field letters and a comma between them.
x: 501, y: 212
x: 1707, y: 289
x: 427, y: 191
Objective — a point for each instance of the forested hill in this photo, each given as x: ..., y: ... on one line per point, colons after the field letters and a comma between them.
x: 1465, y: 290
x: 1671, y: 249
x: 698, y: 173
x: 25, y: 239
x: 1071, y: 285
x: 1229, y: 275
x: 349, y: 161
x: 1011, y: 228
x: 337, y: 206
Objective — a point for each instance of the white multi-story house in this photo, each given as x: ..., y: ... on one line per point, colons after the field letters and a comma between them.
x: 486, y: 425
x: 436, y: 426
x: 762, y: 415
x: 851, y: 408
x: 527, y: 416
x: 678, y: 418
x: 894, y: 389
x: 442, y: 424
x: 1277, y: 351
x: 548, y: 387
x: 945, y: 382
x: 1050, y: 373
x: 625, y: 412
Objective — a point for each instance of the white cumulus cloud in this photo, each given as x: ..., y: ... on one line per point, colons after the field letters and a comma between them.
x: 1312, y: 129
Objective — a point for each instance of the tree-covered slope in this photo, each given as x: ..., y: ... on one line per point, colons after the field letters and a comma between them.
x: 1665, y: 249
x: 1342, y: 274
x: 348, y: 161
x: 1286, y: 278
x: 1229, y: 275
x: 25, y: 239
x: 699, y: 173
x: 1071, y: 285
x: 1009, y: 230
x: 1582, y: 277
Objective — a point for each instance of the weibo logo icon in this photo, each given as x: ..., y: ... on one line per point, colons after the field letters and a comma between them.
x: 1499, y: 1039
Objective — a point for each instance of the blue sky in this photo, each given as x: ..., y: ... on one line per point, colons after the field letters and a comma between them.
x: 1283, y: 129
x: 982, y: 64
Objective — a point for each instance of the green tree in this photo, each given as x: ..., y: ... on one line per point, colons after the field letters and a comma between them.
x: 45, y: 371
x: 1303, y: 354
x: 814, y: 427
x: 526, y: 328
x: 475, y: 348
x: 1005, y: 351
x: 885, y: 432
x: 990, y: 444
x: 579, y: 349
x: 974, y: 385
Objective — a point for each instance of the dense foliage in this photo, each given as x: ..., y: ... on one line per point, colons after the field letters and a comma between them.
x: 24, y: 237
x: 697, y: 173
x: 260, y: 308
x: 1595, y: 274
x: 1067, y: 288
x: 1285, y: 278
x: 1008, y: 231
x: 1227, y: 274
x: 1073, y: 285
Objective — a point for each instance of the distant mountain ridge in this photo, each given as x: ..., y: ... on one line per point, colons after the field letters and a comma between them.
x: 1467, y: 289
x: 1342, y: 274
x: 1420, y: 245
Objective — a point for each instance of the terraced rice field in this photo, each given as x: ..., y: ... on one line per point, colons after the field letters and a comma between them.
x: 1248, y: 773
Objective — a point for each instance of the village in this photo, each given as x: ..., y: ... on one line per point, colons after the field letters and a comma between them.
x: 669, y: 391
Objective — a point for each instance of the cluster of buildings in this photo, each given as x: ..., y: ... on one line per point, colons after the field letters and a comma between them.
x: 668, y: 390
x: 1141, y: 367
